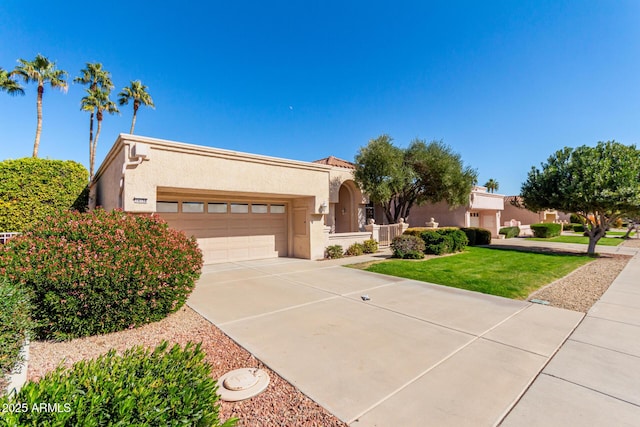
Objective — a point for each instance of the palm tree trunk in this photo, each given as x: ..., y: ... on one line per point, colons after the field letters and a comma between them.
x: 92, y: 154
x: 91, y: 145
x: 36, y: 143
x: 133, y: 121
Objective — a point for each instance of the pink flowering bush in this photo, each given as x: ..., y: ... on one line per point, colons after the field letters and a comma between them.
x: 99, y: 272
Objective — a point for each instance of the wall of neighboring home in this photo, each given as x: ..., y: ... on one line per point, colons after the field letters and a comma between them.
x: 523, y: 215
x: 440, y: 212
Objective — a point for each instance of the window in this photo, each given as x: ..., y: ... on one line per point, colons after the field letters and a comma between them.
x: 192, y: 207
x: 277, y: 209
x: 217, y: 208
x: 259, y: 209
x: 167, y: 207
x: 239, y: 208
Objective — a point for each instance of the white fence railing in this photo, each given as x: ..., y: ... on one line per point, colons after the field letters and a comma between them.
x: 386, y: 233
x: 4, y: 237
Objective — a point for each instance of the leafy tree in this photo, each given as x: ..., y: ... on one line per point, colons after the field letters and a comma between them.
x: 97, y: 101
x: 98, y: 79
x: 600, y: 184
x: 40, y: 71
x: 397, y: 179
x: 492, y: 185
x: 137, y: 92
x: 7, y: 84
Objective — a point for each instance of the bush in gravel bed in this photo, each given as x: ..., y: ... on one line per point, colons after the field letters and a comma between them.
x: 355, y: 249
x: 370, y: 246
x: 15, y: 325
x: 408, y: 247
x: 101, y: 272
x: 163, y: 387
x: 333, y: 252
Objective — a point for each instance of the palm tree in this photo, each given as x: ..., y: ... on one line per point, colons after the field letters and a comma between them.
x: 41, y: 71
x: 9, y: 85
x: 98, y: 79
x: 138, y: 92
x: 98, y: 102
x: 492, y: 185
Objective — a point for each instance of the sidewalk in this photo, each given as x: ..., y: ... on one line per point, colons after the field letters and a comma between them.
x: 593, y: 380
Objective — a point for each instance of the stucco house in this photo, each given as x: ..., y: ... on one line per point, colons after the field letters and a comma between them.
x: 517, y: 215
x: 238, y: 205
x: 484, y: 210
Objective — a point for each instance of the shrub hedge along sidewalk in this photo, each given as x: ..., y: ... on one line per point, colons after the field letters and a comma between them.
x: 101, y: 272
x: 140, y: 388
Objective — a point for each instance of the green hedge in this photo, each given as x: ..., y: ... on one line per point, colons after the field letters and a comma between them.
x: 15, y: 325
x: 510, y: 232
x: 140, y: 388
x: 578, y: 228
x: 32, y: 189
x: 100, y: 272
x: 444, y: 240
x: 477, y: 236
x: 407, y: 247
x: 546, y: 230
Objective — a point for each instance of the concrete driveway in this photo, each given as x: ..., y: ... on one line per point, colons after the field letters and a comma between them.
x: 414, y: 354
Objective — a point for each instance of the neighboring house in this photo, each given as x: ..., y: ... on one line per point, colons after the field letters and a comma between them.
x: 513, y: 214
x: 239, y: 206
x: 483, y: 210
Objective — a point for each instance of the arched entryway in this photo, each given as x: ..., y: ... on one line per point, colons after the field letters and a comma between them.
x: 346, y: 210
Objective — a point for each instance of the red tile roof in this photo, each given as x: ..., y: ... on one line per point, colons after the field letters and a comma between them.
x: 334, y: 161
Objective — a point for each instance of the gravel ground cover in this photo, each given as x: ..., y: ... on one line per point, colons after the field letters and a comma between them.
x: 282, y: 404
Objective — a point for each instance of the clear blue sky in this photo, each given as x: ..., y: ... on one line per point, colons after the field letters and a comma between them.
x: 504, y: 83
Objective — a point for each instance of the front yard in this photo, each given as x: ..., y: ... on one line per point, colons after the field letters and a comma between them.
x: 506, y: 273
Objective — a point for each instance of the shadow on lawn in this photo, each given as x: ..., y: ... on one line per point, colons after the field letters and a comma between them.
x: 539, y: 249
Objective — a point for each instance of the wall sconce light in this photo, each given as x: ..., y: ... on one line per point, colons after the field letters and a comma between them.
x: 324, y: 207
x: 344, y: 211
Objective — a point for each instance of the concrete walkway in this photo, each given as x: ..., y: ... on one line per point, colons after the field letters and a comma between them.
x: 594, y: 379
x: 415, y: 354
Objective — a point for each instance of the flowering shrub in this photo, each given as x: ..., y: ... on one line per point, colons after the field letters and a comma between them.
x: 163, y: 387
x: 101, y: 272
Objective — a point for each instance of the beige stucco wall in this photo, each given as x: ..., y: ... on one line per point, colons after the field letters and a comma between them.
x: 107, y: 180
x: 444, y: 216
x: 195, y: 167
x: 178, y: 167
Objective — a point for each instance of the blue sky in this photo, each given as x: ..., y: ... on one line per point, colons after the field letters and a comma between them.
x: 504, y: 83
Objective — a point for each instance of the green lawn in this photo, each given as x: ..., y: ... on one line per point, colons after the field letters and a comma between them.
x: 619, y: 233
x: 605, y: 241
x: 506, y: 273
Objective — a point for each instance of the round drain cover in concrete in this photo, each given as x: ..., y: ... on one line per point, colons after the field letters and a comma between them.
x: 242, y: 384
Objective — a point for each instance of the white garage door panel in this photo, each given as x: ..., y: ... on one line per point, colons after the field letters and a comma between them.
x: 234, y: 236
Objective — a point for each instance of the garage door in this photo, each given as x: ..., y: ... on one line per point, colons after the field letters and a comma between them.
x: 230, y: 230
